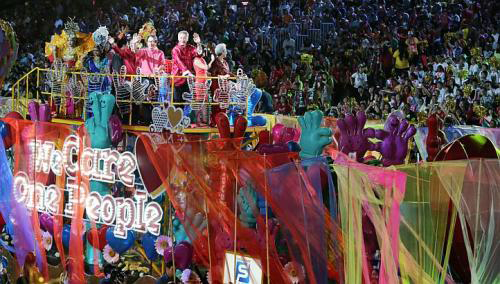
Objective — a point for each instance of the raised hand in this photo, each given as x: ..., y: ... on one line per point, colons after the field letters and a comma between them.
x: 354, y: 136
x: 196, y: 38
x: 313, y: 138
x: 394, y: 145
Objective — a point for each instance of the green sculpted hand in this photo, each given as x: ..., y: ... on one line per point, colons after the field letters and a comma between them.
x: 313, y: 137
x: 97, y: 126
x: 247, y: 200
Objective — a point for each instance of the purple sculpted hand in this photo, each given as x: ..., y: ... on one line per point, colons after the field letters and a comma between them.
x: 353, y: 136
x: 394, y: 145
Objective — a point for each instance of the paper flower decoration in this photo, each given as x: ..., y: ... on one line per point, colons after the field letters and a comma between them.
x: 295, y: 272
x: 162, y: 243
x: 110, y: 255
x: 209, y: 277
x: 188, y: 276
x: 47, y: 240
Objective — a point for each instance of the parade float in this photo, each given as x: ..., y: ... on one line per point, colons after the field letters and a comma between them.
x: 86, y: 195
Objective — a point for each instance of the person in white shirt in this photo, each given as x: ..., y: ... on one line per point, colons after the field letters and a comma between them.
x: 360, y: 78
x: 473, y: 68
x: 441, y: 93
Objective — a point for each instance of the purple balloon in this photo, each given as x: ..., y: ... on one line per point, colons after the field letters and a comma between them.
x: 47, y: 223
x: 272, y: 149
x: 167, y: 254
x: 115, y: 130
x: 183, y: 255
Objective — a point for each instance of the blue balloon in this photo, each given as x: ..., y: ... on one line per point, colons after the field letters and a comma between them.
x: 293, y: 146
x: 148, y: 242
x: 4, y: 130
x: 117, y: 244
x: 257, y: 121
x: 66, y: 234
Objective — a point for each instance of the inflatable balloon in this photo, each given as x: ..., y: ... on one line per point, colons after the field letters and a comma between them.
x: 435, y: 137
x: 5, y: 134
x: 148, y: 242
x: 183, y: 254
x: 167, y: 254
x: 14, y: 114
x: 117, y: 244
x: 8, y: 50
x: 149, y: 176
x: 115, y: 130
x: 282, y: 134
x: 47, y: 223
x: 354, y: 136
x: 2, y: 222
x: 253, y: 100
x: 394, y: 145
x: 313, y: 138
x: 66, y: 234
x: 472, y: 146
x: 101, y: 238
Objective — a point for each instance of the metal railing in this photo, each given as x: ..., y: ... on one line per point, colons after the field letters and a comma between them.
x: 60, y: 88
x: 300, y: 32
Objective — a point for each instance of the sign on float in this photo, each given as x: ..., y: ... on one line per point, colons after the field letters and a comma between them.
x: 101, y: 165
x: 240, y: 269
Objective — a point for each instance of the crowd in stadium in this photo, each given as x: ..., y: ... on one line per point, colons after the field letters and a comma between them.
x: 379, y: 56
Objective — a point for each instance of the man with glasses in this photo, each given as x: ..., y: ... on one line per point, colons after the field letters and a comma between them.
x: 150, y: 59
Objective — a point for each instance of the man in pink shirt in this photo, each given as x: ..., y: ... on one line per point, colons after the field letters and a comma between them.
x: 151, y: 58
x: 183, y: 55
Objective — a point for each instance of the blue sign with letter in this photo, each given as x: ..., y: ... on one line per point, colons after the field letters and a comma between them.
x: 242, y: 272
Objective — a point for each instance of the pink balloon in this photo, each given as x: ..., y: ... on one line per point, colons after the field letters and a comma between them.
x: 183, y: 255
x: 277, y: 133
x: 115, y: 129
x: 283, y: 135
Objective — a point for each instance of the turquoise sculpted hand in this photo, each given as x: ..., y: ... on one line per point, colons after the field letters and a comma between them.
x: 313, y: 137
x: 247, y: 200
x: 97, y: 127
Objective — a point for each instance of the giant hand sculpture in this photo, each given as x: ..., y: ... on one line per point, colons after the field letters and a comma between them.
x: 435, y: 137
x: 98, y: 128
x: 354, y: 136
x: 313, y: 138
x: 394, y: 145
x: 253, y: 100
x: 284, y: 139
x: 39, y: 112
x: 247, y: 200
